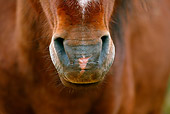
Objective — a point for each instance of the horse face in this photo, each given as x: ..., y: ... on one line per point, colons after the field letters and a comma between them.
x: 81, y: 48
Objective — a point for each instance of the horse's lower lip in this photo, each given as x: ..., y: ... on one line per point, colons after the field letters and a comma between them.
x: 79, y: 84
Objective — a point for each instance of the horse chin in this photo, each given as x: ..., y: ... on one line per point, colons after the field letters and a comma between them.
x: 79, y: 86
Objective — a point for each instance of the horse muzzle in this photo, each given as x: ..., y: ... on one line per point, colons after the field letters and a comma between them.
x: 82, y: 62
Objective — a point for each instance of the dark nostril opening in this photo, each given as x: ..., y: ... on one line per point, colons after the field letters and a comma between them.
x: 105, y: 43
x: 59, y: 47
x: 105, y: 48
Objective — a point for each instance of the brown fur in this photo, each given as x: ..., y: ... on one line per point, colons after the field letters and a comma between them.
x: 136, y: 82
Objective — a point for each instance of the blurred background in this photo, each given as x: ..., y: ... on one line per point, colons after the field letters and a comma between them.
x: 166, y: 109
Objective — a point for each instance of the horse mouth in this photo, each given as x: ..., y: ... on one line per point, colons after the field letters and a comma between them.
x: 79, y: 79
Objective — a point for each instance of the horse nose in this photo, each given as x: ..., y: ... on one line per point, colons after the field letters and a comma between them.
x: 81, y: 60
x: 74, y: 51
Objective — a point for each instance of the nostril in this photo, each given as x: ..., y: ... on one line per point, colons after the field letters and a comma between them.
x: 58, y: 42
x: 59, y: 47
x: 105, y: 48
x: 105, y: 43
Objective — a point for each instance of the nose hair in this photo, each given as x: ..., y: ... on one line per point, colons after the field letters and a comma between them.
x: 76, y: 50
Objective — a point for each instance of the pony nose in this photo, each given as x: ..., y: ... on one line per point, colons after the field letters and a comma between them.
x: 89, y: 53
x: 82, y: 60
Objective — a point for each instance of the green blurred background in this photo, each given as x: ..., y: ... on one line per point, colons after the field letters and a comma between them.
x: 166, y: 109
